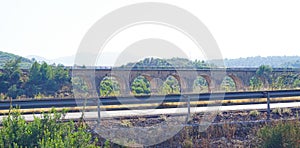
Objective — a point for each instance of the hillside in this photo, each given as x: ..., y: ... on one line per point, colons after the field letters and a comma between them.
x: 168, y: 63
x: 4, y: 57
x: 274, y: 61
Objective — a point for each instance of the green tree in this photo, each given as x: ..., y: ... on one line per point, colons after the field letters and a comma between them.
x: 33, y: 86
x: 109, y: 87
x: 228, y: 84
x: 11, y: 79
x: 61, y: 76
x: 296, y: 83
x: 140, y: 86
x: 171, y: 86
x: 265, y: 73
x: 287, y: 81
x: 48, y: 84
x: 200, y: 85
x: 46, y: 79
x: 80, y: 87
x: 255, y: 83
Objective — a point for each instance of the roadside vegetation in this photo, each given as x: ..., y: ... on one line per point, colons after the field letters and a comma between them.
x: 49, y: 131
x: 282, y: 134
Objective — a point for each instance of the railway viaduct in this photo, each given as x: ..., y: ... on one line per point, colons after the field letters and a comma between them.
x: 185, y: 77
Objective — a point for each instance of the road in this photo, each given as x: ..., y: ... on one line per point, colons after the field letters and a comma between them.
x: 128, y: 113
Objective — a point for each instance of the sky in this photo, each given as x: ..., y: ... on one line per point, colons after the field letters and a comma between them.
x: 55, y: 28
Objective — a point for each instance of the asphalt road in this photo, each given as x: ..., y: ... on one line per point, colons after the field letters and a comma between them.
x: 129, y: 113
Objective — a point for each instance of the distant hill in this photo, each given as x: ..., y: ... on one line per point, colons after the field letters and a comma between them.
x: 38, y: 59
x: 4, y: 57
x: 274, y: 61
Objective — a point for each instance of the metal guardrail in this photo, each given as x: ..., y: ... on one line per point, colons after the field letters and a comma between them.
x: 72, y: 102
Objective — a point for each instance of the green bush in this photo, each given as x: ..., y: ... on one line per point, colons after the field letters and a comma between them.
x: 48, y: 131
x: 283, y: 134
x: 254, y: 113
x: 277, y: 111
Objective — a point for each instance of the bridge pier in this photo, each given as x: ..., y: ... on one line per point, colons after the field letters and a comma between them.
x: 155, y: 85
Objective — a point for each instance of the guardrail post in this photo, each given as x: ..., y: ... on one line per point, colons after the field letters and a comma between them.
x: 98, y: 108
x: 188, y: 107
x: 268, y: 107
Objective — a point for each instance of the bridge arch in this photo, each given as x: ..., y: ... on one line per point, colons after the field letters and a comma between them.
x: 202, y: 84
x: 228, y: 84
x: 120, y: 82
x: 172, y: 84
x: 146, y: 76
x: 237, y: 81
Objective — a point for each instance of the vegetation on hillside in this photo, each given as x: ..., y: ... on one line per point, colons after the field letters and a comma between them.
x: 169, y: 63
x: 4, y: 57
x: 273, y: 61
x: 41, y: 79
x: 295, y: 64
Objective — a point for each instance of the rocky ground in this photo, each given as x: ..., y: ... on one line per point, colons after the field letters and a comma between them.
x: 228, y: 129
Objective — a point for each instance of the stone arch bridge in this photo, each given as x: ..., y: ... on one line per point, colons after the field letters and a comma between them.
x: 185, y: 77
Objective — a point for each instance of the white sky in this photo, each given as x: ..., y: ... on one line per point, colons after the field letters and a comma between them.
x: 54, y: 28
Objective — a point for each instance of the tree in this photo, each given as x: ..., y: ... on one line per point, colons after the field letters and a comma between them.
x: 200, y: 85
x: 61, y: 76
x: 140, y: 86
x: 255, y: 83
x: 46, y: 79
x: 109, y: 87
x: 297, y: 84
x: 47, y: 83
x: 11, y: 79
x: 287, y: 81
x: 228, y: 84
x: 265, y: 73
x: 171, y: 86
x: 33, y: 86
x: 80, y: 87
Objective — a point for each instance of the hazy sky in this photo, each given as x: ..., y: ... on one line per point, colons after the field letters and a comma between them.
x: 54, y: 28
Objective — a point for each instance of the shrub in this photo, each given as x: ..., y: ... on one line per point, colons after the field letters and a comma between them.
x: 277, y: 111
x: 2, y: 96
x: 126, y: 123
x: 47, y: 131
x: 254, y: 113
x: 287, y: 111
x: 280, y: 135
x: 187, y: 143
